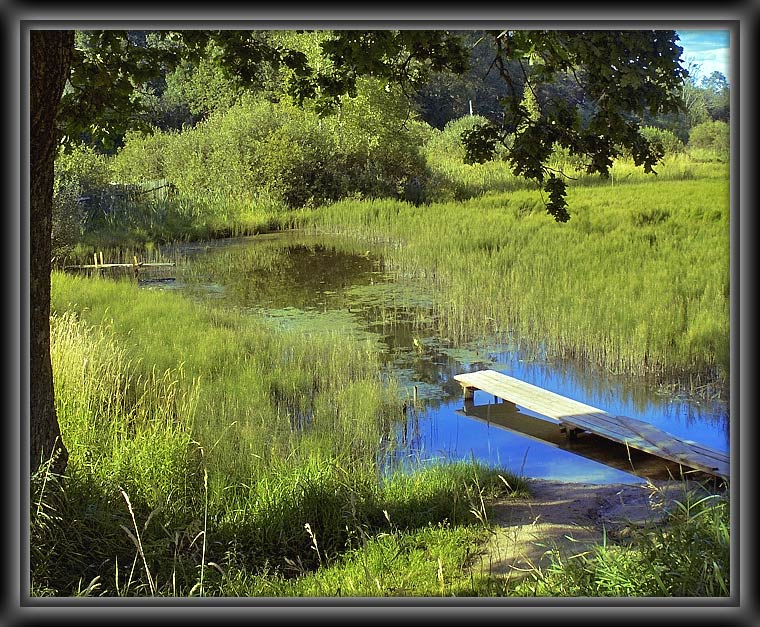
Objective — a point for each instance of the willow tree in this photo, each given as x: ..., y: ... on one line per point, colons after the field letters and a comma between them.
x: 90, y: 82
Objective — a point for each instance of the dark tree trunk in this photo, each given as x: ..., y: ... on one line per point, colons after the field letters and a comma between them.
x: 50, y: 54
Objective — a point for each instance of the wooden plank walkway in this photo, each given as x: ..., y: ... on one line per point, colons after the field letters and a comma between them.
x: 575, y: 416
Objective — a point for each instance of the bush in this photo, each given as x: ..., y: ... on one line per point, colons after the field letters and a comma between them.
x: 712, y: 136
x: 142, y: 157
x: 301, y: 165
x: 80, y: 173
x: 448, y: 143
x: 260, y: 150
x: 83, y: 166
x: 668, y: 140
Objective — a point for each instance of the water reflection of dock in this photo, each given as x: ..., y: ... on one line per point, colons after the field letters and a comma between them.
x: 618, y: 441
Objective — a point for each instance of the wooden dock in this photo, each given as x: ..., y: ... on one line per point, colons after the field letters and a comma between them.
x: 575, y: 417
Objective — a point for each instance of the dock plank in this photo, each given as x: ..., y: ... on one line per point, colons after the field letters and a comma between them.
x: 576, y: 415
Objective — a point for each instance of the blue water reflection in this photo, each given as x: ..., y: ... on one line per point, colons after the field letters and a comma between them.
x: 311, y: 282
x: 441, y: 432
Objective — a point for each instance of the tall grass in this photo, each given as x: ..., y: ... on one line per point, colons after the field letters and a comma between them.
x: 454, y: 180
x: 208, y: 449
x: 637, y: 282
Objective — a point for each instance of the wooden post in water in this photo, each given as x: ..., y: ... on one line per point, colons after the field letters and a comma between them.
x: 134, y: 266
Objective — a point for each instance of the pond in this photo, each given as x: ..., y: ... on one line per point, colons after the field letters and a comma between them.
x: 320, y: 282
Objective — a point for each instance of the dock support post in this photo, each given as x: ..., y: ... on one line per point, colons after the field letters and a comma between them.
x: 469, y: 392
x: 570, y: 432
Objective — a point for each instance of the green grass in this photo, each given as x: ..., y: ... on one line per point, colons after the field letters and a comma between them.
x: 209, y: 451
x: 637, y: 282
x: 430, y: 562
x: 214, y: 454
x: 454, y: 180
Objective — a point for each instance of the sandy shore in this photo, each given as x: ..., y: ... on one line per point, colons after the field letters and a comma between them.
x: 570, y: 517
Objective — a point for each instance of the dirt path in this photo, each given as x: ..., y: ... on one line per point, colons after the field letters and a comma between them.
x: 570, y: 517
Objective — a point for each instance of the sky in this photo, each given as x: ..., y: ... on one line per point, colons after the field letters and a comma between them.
x: 709, y: 48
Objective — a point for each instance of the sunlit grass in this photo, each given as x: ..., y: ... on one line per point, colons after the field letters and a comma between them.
x: 209, y: 450
x: 636, y: 282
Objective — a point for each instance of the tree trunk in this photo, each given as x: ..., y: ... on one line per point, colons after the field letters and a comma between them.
x: 50, y: 53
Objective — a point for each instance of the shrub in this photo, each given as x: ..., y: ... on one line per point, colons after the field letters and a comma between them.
x: 712, y: 136
x: 301, y: 166
x: 668, y: 140
x: 79, y: 174
x: 448, y: 143
x: 262, y: 150
x: 142, y: 157
x: 83, y: 166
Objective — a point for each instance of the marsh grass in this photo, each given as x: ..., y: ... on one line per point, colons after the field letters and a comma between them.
x: 637, y: 282
x: 209, y: 450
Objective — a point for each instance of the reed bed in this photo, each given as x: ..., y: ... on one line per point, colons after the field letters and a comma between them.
x: 211, y: 453
x: 637, y: 282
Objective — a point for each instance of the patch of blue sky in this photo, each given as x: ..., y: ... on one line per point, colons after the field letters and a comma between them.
x: 709, y: 49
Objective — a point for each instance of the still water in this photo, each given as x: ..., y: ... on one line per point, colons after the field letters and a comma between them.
x: 318, y: 282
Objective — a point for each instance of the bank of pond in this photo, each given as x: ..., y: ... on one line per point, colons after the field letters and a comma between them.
x: 280, y: 420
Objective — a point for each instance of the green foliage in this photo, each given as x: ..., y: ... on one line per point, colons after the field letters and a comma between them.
x: 278, y: 153
x: 404, y: 57
x: 300, y: 165
x: 141, y: 158
x: 717, y: 96
x: 712, y: 136
x: 80, y: 174
x: 331, y: 65
x: 600, y: 62
x: 447, y: 96
x: 557, y: 204
x: 83, y: 167
x: 100, y: 99
x: 668, y: 140
x: 204, y: 87
x: 448, y: 143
